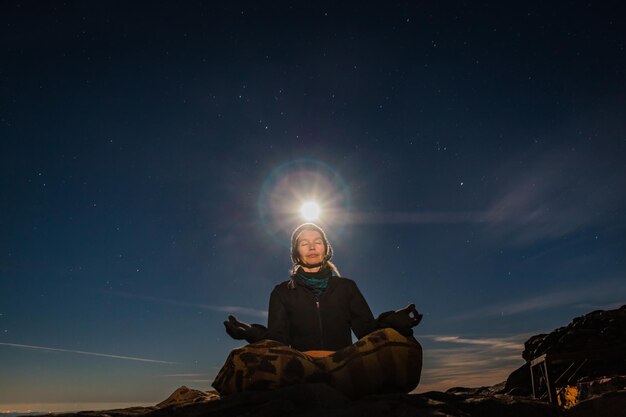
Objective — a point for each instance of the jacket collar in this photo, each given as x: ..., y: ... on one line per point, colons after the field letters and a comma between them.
x: 333, y: 281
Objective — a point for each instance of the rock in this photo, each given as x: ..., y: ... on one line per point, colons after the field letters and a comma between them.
x: 589, y: 388
x: 484, y: 391
x: 610, y: 404
x: 485, y: 402
x: 596, y: 341
x: 518, y: 382
x: 185, y: 396
x: 508, y: 405
x: 600, y: 336
x: 313, y: 400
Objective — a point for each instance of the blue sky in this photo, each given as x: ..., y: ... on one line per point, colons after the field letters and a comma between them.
x: 469, y: 160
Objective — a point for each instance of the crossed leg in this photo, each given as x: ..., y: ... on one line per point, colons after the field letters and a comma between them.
x: 382, y: 361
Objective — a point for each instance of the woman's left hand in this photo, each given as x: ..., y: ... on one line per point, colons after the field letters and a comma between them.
x: 402, y: 320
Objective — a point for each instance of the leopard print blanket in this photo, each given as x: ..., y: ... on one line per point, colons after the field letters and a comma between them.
x: 384, y: 361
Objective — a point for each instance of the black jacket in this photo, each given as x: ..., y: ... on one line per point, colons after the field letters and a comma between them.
x: 298, y: 319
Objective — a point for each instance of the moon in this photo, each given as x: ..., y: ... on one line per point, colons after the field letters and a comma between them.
x: 310, y: 210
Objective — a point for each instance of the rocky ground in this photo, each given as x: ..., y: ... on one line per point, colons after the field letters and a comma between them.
x: 597, y: 389
x: 321, y: 400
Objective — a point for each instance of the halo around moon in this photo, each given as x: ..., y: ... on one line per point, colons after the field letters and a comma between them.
x: 299, y: 191
x: 310, y: 211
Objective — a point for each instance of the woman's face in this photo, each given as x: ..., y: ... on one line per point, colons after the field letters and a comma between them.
x: 311, y: 249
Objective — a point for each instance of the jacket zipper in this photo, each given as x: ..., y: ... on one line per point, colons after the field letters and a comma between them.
x: 319, y: 319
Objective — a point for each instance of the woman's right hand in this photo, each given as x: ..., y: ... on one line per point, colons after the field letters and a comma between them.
x: 239, y: 330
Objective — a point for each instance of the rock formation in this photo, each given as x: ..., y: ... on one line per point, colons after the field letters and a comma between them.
x: 600, y: 336
x: 594, y: 345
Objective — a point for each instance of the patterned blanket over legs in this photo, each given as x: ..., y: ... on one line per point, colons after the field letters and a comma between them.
x: 383, y: 361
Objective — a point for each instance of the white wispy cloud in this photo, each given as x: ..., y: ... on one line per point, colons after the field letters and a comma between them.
x: 600, y: 292
x: 469, y: 362
x: 230, y: 309
x: 488, y: 342
x: 550, y: 198
x: 423, y: 217
x: 81, y: 352
x: 600, y: 306
x: 547, y: 199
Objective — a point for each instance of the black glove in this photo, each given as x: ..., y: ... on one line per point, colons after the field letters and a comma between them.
x: 402, y: 320
x: 250, y: 332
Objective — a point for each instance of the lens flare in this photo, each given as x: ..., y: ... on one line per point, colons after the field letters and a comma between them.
x: 298, y: 190
x: 310, y: 211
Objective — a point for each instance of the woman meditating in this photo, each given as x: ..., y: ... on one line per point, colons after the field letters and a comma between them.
x: 308, y: 335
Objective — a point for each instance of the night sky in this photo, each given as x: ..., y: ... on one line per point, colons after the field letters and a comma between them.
x: 468, y: 157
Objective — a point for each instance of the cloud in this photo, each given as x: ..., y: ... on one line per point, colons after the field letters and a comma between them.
x: 493, y: 343
x: 246, y: 311
x: 80, y: 352
x: 551, y: 197
x: 469, y: 362
x: 424, y: 217
x: 601, y: 293
x: 600, y: 306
